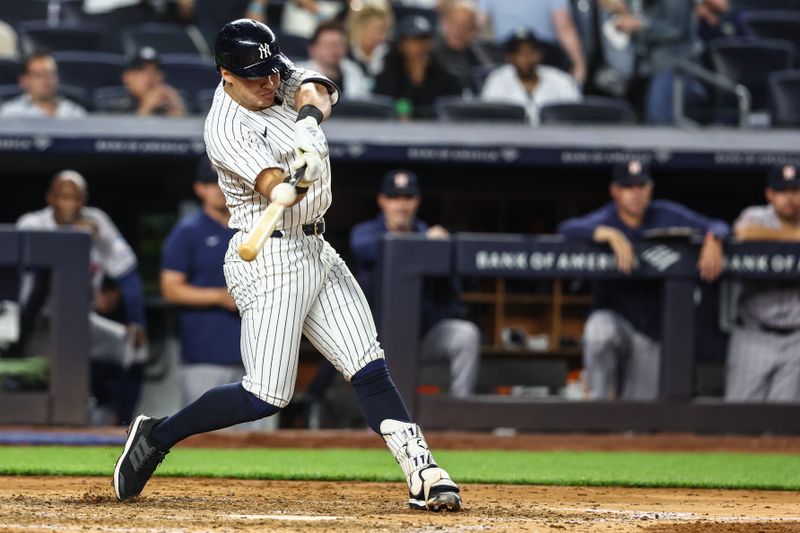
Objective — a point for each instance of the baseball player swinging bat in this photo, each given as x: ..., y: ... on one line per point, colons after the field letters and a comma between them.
x: 282, y: 197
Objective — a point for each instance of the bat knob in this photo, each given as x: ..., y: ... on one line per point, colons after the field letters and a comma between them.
x: 247, y: 252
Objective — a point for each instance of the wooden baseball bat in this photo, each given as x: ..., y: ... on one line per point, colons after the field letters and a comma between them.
x: 256, y: 238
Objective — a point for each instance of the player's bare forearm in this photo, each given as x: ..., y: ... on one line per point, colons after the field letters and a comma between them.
x: 314, y: 94
x: 176, y: 290
x: 761, y: 233
x: 268, y: 179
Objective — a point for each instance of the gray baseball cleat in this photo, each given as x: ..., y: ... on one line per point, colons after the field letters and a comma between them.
x: 431, y: 489
x: 139, y: 459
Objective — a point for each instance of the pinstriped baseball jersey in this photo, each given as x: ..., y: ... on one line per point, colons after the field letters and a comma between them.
x: 298, y: 284
x: 241, y: 143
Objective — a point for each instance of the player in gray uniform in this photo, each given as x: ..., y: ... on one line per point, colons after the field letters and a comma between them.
x: 764, y: 349
x: 263, y: 126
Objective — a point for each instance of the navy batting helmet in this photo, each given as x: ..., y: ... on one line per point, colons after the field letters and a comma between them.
x: 249, y: 50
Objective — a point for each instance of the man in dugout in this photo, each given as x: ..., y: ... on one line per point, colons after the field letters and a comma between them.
x: 622, y: 336
x: 764, y: 349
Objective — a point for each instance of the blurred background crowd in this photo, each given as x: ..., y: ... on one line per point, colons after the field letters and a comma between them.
x: 538, y: 61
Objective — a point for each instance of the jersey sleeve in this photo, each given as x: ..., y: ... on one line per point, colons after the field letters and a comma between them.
x: 115, y: 254
x: 298, y: 76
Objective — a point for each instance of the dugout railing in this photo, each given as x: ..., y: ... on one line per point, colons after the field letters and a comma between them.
x: 64, y: 255
x: 407, y: 261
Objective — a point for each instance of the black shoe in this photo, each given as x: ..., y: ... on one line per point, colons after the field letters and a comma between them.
x: 139, y: 459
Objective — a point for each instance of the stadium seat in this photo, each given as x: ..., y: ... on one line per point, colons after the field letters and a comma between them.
x: 9, y: 91
x: 112, y: 99
x: 745, y: 5
x: 479, y: 74
x: 767, y: 24
x: 15, y: 11
x: 79, y: 95
x: 456, y: 109
x: 376, y: 107
x: 89, y: 70
x: 591, y: 110
x: 750, y: 62
x: 784, y: 98
x: 293, y: 46
x: 163, y: 38
x: 38, y: 34
x: 9, y: 71
x: 189, y: 73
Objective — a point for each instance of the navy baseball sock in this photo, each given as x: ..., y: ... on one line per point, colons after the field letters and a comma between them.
x: 377, y: 395
x: 218, y: 408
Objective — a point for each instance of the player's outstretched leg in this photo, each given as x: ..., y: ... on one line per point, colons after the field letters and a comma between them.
x: 149, y: 440
x: 429, y: 486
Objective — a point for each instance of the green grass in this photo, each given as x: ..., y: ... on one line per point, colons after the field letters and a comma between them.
x: 633, y: 469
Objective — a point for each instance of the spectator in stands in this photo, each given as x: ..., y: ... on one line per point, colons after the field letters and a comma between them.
x: 40, y: 98
x: 368, y: 32
x: 301, y: 17
x: 118, y: 13
x: 526, y: 82
x: 457, y: 45
x: 412, y: 73
x: 664, y: 33
x: 550, y: 20
x: 444, y: 335
x: 764, y: 348
x: 622, y: 334
x: 327, y: 55
x: 117, y: 350
x: 192, y: 278
x: 148, y: 93
x: 210, y: 15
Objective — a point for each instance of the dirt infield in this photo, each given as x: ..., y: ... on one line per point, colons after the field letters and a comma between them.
x: 193, y: 505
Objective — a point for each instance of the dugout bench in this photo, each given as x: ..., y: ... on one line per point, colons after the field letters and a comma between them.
x: 407, y: 260
x: 65, y: 255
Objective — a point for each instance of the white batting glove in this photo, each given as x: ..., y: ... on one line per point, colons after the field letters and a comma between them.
x: 311, y: 149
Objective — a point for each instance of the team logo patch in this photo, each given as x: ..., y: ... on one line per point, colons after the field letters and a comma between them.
x: 789, y: 173
x: 401, y: 181
x: 634, y: 168
x: 263, y: 51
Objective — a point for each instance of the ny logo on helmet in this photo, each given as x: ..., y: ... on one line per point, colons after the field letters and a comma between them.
x: 263, y: 51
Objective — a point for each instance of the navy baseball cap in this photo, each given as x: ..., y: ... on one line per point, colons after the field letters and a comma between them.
x: 415, y: 27
x: 521, y: 35
x: 783, y: 177
x: 205, y: 172
x: 634, y: 172
x: 143, y: 57
x: 400, y: 183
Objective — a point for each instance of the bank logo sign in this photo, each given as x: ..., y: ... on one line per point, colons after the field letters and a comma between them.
x: 661, y: 257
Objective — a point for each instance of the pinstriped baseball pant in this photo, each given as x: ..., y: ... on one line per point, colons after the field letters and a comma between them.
x: 297, y: 285
x: 762, y: 366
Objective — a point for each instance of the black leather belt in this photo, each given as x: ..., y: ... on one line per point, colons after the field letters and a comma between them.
x: 312, y: 229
